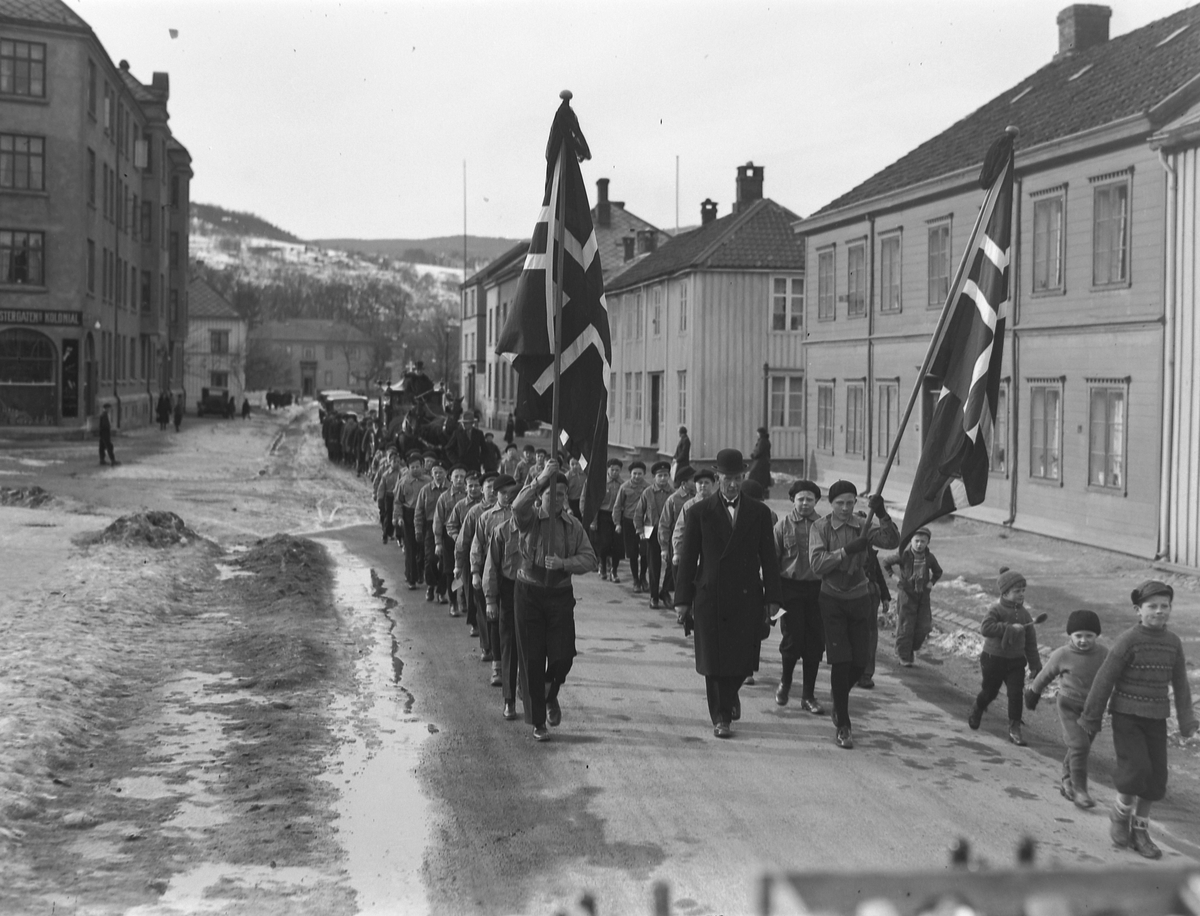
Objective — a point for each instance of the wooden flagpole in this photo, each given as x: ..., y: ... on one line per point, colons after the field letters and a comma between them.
x: 985, y: 212
x: 560, y: 250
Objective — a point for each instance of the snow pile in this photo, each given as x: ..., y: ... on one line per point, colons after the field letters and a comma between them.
x: 29, y: 497
x: 150, y: 529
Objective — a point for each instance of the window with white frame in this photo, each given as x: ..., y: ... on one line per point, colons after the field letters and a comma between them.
x: 629, y: 396
x: 856, y: 279
x: 825, y: 416
x: 218, y: 342
x: 683, y: 306
x: 787, y: 303
x: 1110, y: 233
x: 22, y: 68
x: 787, y: 402
x: 889, y: 273
x: 656, y: 310
x: 887, y: 416
x: 855, y: 417
x: 682, y: 394
x: 938, y: 264
x: 998, y: 457
x: 637, y: 397
x: 1045, y: 429
x: 639, y: 316
x: 1106, y: 432
x: 1049, y: 241
x: 826, y: 298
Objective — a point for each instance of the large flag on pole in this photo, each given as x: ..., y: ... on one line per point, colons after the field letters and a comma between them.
x: 528, y: 339
x: 953, y: 469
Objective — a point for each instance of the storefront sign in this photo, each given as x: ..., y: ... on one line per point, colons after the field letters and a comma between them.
x: 41, y: 316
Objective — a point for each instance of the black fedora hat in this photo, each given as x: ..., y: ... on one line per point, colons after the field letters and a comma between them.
x: 729, y: 461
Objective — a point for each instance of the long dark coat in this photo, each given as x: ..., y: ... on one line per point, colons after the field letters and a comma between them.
x: 760, y: 462
x: 728, y: 575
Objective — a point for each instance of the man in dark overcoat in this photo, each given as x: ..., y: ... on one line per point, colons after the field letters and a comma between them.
x: 728, y: 586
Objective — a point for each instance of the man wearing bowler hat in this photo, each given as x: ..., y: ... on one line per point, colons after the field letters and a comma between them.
x: 838, y: 548
x: 727, y: 586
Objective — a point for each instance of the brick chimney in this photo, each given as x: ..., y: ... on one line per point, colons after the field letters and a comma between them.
x: 749, y: 186
x: 1082, y: 26
x: 603, y: 207
x: 708, y: 211
x: 647, y: 241
x: 161, y: 84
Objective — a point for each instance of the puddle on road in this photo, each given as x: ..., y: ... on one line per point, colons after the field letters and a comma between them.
x: 382, y: 815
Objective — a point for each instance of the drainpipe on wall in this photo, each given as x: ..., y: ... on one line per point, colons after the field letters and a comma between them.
x: 1167, y: 466
x: 1014, y: 389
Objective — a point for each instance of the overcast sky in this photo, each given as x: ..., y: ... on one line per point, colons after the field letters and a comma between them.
x: 354, y: 118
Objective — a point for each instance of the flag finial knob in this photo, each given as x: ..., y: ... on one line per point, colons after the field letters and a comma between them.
x: 1012, y: 131
x: 566, y: 95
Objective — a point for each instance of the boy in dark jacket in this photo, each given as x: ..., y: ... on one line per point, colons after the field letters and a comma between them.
x: 919, y: 572
x: 1010, y: 643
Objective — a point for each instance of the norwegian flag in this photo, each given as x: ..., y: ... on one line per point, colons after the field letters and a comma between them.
x: 527, y: 339
x: 953, y: 469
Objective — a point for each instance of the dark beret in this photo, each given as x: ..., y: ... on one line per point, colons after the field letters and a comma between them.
x: 804, y: 486
x: 840, y: 488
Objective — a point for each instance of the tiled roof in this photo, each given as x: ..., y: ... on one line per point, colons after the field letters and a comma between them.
x: 498, y: 264
x: 1127, y: 75
x: 140, y: 92
x: 313, y: 330
x: 760, y: 237
x: 41, y: 12
x: 609, y: 242
x: 206, y: 302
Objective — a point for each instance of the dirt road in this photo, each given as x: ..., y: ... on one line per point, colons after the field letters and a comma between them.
x: 224, y: 725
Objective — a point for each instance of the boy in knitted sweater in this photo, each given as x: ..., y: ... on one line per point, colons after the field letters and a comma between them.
x: 1010, y: 643
x: 1143, y: 663
x: 1076, y: 663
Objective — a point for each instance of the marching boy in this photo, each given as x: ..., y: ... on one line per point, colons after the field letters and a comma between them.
x: 1010, y: 643
x: 1076, y: 663
x: 1144, y: 661
x: 919, y: 572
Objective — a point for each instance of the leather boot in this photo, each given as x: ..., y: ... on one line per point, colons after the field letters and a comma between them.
x: 1014, y: 734
x: 1118, y: 828
x: 1139, y: 839
x: 975, y: 717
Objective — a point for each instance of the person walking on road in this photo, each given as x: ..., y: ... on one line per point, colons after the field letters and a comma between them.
x: 442, y: 540
x: 245, y: 408
x: 481, y: 496
x: 645, y: 522
x: 607, y: 529
x: 837, y: 553
x: 553, y: 547
x: 177, y: 415
x: 727, y: 587
x: 685, y: 489
x: 106, y: 444
x: 423, y: 512
x: 683, y: 453
x: 495, y: 559
x: 408, y: 488
x: 623, y: 509
x: 919, y: 572
x: 803, y: 634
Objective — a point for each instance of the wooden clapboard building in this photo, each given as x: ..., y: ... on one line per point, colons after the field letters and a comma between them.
x: 1078, y: 451
x: 707, y: 333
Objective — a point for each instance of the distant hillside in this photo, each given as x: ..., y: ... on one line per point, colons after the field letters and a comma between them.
x: 236, y: 223
x: 446, y: 250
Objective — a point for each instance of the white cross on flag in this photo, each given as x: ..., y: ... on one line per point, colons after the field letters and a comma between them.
x: 528, y: 339
x: 953, y: 469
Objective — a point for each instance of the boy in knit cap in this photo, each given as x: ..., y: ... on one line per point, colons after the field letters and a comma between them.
x: 1010, y: 643
x: 1076, y: 663
x: 1144, y: 661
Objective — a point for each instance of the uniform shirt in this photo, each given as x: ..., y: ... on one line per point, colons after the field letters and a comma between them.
x: 509, y: 466
x: 792, y: 546
x: 542, y: 535
x: 667, y: 518
x: 441, y: 512
x: 409, y: 487
x: 386, y: 482
x: 842, y: 574
x: 649, y: 507
x: 626, y: 502
x: 426, y: 505
x: 576, y: 478
x: 611, y: 489
x: 680, y: 524
x: 503, y: 557
x: 1141, y: 665
x: 454, y: 518
x: 489, y: 520
x: 466, y: 532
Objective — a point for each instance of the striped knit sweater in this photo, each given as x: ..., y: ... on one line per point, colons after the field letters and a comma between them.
x: 1141, y: 665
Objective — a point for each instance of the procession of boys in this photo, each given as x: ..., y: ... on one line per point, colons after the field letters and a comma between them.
x: 498, y: 542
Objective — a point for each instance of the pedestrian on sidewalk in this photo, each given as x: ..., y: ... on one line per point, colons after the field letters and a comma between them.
x: 682, y: 458
x: 645, y: 522
x: 623, y: 509
x: 178, y: 413
x: 553, y: 547
x: 838, y: 553
x: 1144, y: 661
x: 727, y: 588
x: 106, y: 444
x: 919, y: 572
x: 607, y: 532
x: 245, y: 408
x: 1076, y: 663
x: 496, y: 558
x: 760, y: 457
x: 163, y: 410
x: 803, y: 634
x: 1009, y: 645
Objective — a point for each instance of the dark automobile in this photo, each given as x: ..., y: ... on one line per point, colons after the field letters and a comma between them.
x: 216, y: 402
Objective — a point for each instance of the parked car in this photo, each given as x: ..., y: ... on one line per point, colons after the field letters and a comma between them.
x: 215, y: 402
